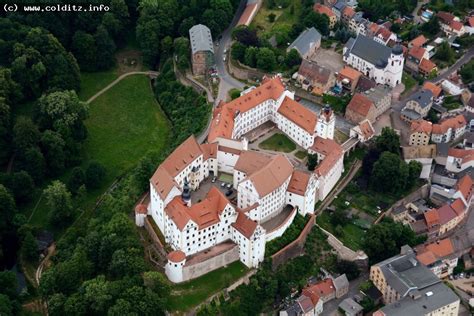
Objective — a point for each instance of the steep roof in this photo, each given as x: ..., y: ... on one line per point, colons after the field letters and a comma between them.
x: 331, y: 151
x: 360, y: 104
x: 305, y: 40
x: 417, y: 52
x: 423, y: 97
x: 299, y: 182
x: 465, y: 155
x: 349, y: 73
x: 200, y: 38
x: 464, y: 185
x: 223, y: 117
x: 298, y: 114
x: 421, y: 126
x: 315, y: 72
x: 418, y: 41
x: 252, y: 161
x: 431, y: 218
x: 427, y: 66
x: 245, y: 225
x: 369, y: 50
x: 204, y: 213
x: 272, y: 176
x: 322, y: 9
x: 305, y: 303
x: 322, y: 288
x: 445, y: 17
x: 458, y: 206
x: 435, y: 89
x: 446, y: 214
x: 209, y: 150
x: 453, y: 122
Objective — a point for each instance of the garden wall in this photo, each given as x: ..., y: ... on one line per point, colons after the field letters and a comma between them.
x: 280, y: 230
x: 243, y: 72
x: 295, y: 248
x: 213, y: 263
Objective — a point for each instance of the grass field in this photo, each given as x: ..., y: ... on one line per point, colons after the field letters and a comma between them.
x: 187, y: 295
x: 408, y: 81
x: 124, y: 123
x: 301, y: 154
x: 278, y: 142
x: 284, y: 17
x: 93, y: 82
x: 353, y: 236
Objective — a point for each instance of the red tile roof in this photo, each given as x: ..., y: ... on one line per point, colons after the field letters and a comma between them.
x: 360, y: 104
x: 209, y: 151
x: 458, y: 206
x: 470, y: 21
x: 245, y: 225
x: 305, y: 303
x: 431, y: 218
x: 456, y: 25
x: 427, y: 66
x: 141, y: 209
x: 435, y: 89
x: 271, y: 176
x: 435, y: 251
x: 417, y: 52
x: 465, y: 155
x: 445, y: 17
x: 349, y: 73
x: 367, y: 129
x: 176, y: 256
x: 348, y: 12
x: 418, y: 41
x: 332, y: 152
x: 322, y: 9
x: 464, y: 185
x: 251, y: 161
x: 446, y: 214
x: 421, y: 126
x: 321, y: 289
x: 299, y: 182
x: 298, y: 114
x: 454, y: 123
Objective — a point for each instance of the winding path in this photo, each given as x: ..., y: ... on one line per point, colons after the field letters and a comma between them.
x: 150, y: 73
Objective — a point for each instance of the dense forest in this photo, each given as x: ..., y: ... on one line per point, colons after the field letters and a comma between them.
x: 100, y: 268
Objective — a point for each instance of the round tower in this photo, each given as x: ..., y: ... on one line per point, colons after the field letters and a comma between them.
x: 174, y: 266
x: 395, y: 66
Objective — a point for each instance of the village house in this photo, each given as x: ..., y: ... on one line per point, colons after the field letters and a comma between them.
x: 438, y: 256
x: 449, y: 129
x: 418, y: 106
x: 348, y: 78
x: 315, y: 78
x: 420, y: 132
x: 368, y: 105
x: 322, y: 9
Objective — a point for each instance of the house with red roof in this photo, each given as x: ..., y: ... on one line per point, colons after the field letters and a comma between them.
x: 450, y: 24
x: 438, y: 256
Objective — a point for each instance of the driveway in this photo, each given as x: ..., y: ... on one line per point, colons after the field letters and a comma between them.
x: 227, y: 82
x: 328, y: 58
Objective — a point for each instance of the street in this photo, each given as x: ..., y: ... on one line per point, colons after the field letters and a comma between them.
x: 227, y: 82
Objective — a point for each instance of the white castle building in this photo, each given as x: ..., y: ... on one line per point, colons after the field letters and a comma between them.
x: 265, y: 184
x: 378, y: 62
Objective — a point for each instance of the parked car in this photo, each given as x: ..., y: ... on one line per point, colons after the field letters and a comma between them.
x: 214, y: 179
x: 222, y: 184
x: 229, y: 185
x: 228, y: 193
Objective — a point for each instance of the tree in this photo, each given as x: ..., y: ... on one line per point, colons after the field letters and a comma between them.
x: 246, y: 36
x: 338, y: 217
x: 32, y: 161
x: 388, y: 140
x: 105, y: 49
x: 292, y: 58
x: 76, y: 180
x: 251, y: 56
x: 6, y: 306
x: 58, y: 198
x: 349, y: 268
x: 8, y: 207
x: 384, y: 240
x: 319, y: 21
x: 52, y: 145
x: 5, y: 130
x: 266, y: 59
x: 20, y: 184
x: 29, y: 247
x: 234, y: 93
x: 432, y: 26
x: 25, y: 134
x: 467, y: 72
x: 312, y: 162
x: 64, y: 113
x: 271, y: 17
x: 238, y: 51
x: 95, y: 173
x: 389, y: 174
x: 414, y: 171
x: 85, y: 50
x: 445, y: 52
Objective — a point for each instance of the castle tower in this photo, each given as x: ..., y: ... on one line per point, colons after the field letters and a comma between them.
x: 326, y: 122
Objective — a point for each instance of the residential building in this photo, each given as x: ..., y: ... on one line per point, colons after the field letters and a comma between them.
x: 377, y: 61
x: 384, y: 36
x: 307, y: 42
x: 341, y: 285
x: 450, y: 24
x: 363, y: 132
x: 410, y: 288
x: 418, y: 106
x: 322, y: 9
x: 420, y: 133
x: 202, y: 49
x: 439, y: 257
x: 418, y: 41
x: 459, y: 159
x: 435, y: 89
x: 348, y: 78
x: 369, y: 105
x: 349, y: 307
x: 315, y: 78
x: 249, y: 12
x: 449, y: 129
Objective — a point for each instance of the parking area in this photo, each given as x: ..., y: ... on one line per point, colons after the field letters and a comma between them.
x: 328, y: 58
x: 223, y: 182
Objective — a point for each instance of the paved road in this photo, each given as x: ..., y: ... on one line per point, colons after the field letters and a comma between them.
x: 463, y: 60
x: 227, y: 82
x: 417, y: 19
x: 113, y: 83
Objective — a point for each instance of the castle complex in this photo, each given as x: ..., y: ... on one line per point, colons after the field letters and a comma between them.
x: 265, y: 184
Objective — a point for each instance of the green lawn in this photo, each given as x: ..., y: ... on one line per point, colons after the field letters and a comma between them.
x: 124, y: 123
x: 285, y: 18
x: 92, y: 82
x: 301, y: 154
x: 278, y: 142
x: 187, y: 295
x: 353, y: 236
x: 408, y: 81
